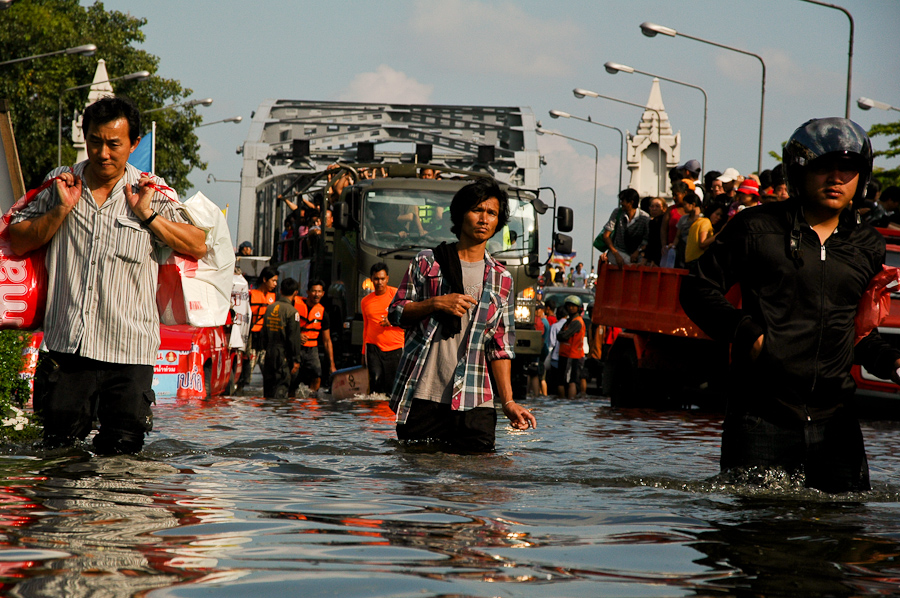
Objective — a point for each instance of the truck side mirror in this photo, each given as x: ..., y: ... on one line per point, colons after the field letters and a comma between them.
x: 533, y: 267
x: 564, y: 220
x: 341, y: 213
x: 563, y: 243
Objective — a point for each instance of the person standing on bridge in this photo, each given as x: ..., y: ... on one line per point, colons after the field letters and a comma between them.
x: 103, y: 222
x: 802, y: 265
x: 456, y: 303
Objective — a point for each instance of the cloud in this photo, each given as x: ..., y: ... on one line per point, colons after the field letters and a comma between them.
x: 386, y: 85
x: 782, y: 73
x: 498, y: 38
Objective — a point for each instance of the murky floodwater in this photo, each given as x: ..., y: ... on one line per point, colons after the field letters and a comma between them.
x: 313, y: 497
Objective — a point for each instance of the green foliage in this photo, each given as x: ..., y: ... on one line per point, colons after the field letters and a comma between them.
x: 888, y: 177
x: 34, y: 87
x: 14, y: 389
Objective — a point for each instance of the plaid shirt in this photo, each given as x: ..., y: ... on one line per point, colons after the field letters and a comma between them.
x: 491, y: 334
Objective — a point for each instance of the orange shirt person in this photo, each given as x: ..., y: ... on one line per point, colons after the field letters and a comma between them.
x: 382, y: 343
x: 260, y: 298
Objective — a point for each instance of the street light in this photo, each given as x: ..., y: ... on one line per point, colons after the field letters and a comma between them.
x: 580, y: 93
x: 187, y: 104
x: 652, y: 29
x: 868, y: 104
x: 233, y: 119
x: 541, y: 131
x: 85, y: 50
x: 138, y: 76
x: 211, y: 178
x: 561, y: 114
x: 849, y: 52
x: 613, y: 67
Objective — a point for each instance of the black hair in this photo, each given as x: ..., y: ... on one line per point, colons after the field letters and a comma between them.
x: 680, y: 187
x: 892, y: 193
x: 873, y: 189
x: 691, y: 198
x: 765, y: 179
x: 645, y: 202
x: 676, y: 174
x: 267, y: 273
x: 105, y: 110
x: 473, y: 194
x: 289, y: 286
x: 378, y: 268
x: 315, y: 282
x: 778, y: 176
x: 631, y: 196
x: 709, y: 177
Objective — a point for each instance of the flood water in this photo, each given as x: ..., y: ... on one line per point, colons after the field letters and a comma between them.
x: 313, y: 497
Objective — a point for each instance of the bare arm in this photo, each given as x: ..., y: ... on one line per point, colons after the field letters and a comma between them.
x: 288, y: 202
x: 519, y: 417
x: 182, y: 238
x: 31, y: 234
x: 326, y: 340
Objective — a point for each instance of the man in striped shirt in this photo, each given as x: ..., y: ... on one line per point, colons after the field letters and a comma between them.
x: 102, y: 222
x: 456, y: 303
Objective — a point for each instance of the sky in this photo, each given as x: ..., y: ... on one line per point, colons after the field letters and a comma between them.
x: 533, y: 53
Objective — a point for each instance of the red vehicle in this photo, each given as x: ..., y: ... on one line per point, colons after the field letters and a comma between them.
x: 662, y: 358
x: 881, y: 394
x: 192, y: 363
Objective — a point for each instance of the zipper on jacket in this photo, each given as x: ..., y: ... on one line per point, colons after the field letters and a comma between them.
x: 821, y: 317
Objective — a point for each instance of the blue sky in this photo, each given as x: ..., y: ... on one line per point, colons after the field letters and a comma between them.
x: 532, y: 53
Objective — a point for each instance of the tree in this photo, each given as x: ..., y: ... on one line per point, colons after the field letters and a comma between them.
x: 34, y: 87
x: 888, y: 177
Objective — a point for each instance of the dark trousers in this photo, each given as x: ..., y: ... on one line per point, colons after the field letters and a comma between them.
x: 468, y: 431
x: 830, y: 453
x: 276, y: 373
x: 382, y: 366
x: 70, y: 391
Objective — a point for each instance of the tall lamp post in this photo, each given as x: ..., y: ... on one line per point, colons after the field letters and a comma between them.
x: 580, y: 93
x: 85, y: 50
x: 849, y: 52
x: 868, y: 104
x: 561, y: 114
x: 233, y: 119
x: 541, y: 131
x: 613, y: 67
x: 652, y: 29
x: 138, y: 76
x: 187, y: 104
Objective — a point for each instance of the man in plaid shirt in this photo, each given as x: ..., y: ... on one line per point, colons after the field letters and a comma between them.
x: 456, y: 303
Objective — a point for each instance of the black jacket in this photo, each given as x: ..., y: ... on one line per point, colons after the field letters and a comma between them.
x: 803, y: 297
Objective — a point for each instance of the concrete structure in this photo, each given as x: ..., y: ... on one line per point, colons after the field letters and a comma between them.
x: 100, y: 88
x: 654, y: 143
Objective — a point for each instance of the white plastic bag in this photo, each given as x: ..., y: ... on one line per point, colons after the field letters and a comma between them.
x: 198, y: 292
x: 240, y: 304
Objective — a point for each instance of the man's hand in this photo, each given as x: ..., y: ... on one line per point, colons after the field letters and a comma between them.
x: 455, y: 304
x: 384, y: 321
x: 519, y: 417
x: 616, y: 259
x: 140, y: 202
x: 303, y: 338
x: 333, y: 369
x: 295, y: 369
x: 756, y: 349
x: 68, y: 187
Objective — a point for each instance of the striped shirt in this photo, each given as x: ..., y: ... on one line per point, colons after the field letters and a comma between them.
x: 491, y: 336
x: 102, y: 273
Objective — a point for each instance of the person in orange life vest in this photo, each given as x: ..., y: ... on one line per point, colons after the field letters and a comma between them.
x: 382, y: 343
x: 260, y: 298
x: 316, y: 326
x: 571, y: 346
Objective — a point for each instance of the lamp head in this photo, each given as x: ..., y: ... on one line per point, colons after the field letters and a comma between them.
x: 138, y: 76
x: 85, y: 50
x: 651, y: 29
x: 580, y: 93
x: 234, y: 119
x: 559, y: 114
x: 203, y: 102
x: 614, y: 67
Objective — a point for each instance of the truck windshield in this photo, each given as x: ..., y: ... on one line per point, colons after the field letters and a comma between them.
x: 405, y: 217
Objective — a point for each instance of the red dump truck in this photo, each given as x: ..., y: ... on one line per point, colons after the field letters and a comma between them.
x: 661, y: 358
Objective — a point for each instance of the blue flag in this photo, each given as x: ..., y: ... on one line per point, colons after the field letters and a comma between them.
x: 142, y: 157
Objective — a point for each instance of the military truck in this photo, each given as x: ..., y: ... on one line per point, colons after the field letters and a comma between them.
x: 366, y: 165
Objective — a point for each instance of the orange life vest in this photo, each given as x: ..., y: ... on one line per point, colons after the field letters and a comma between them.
x: 573, y: 347
x: 310, y: 320
x: 259, y: 301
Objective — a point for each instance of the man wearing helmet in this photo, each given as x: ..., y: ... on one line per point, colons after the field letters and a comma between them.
x: 571, y: 347
x: 802, y: 266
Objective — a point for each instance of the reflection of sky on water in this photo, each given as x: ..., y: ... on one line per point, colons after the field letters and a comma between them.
x: 249, y: 497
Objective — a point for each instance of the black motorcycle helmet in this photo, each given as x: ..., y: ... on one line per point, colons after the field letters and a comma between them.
x: 822, y: 136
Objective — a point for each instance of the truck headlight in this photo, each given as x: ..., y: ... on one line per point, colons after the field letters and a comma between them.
x: 524, y: 310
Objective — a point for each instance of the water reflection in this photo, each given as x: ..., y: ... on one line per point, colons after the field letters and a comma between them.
x: 246, y: 496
